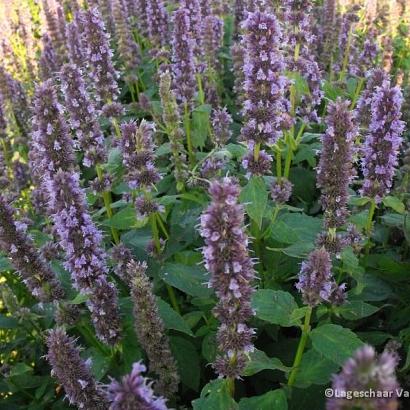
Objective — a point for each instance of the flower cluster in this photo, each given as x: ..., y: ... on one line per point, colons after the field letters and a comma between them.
x: 137, y: 148
x: 73, y: 372
x: 48, y: 61
x: 227, y: 258
x: 83, y: 116
x: 264, y: 84
x: 316, y: 281
x: 52, y: 147
x: 134, y: 391
x: 172, y: 121
x: 157, y: 21
x: 281, y: 191
x: 183, y: 65
x: 33, y: 269
x: 363, y: 372
x: 128, y: 48
x: 335, y: 171
x: 221, y: 122
x: 75, y: 41
x: 85, y: 258
x: 99, y: 55
x: 151, y: 331
x: 382, y: 144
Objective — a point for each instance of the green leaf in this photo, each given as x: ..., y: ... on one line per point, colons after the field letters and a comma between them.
x: 275, y: 306
x: 200, y: 125
x: 123, y: 219
x: 172, y: 319
x: 335, y: 342
x: 209, y: 348
x: 255, y: 197
x: 187, y: 360
x: 99, y: 363
x: 79, y: 299
x: 189, y: 279
x: 272, y: 400
x: 395, y: 204
x: 215, y: 396
x: 356, y: 309
x: 315, y: 369
x: 5, y: 264
x: 260, y: 361
x: 114, y: 160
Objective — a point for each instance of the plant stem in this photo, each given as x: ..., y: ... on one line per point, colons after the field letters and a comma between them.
x: 357, y: 93
x: 369, y: 222
x: 187, y: 125
x: 278, y: 164
x: 301, y: 347
x: 256, y: 151
x: 107, y: 203
x: 230, y: 383
x: 289, y: 156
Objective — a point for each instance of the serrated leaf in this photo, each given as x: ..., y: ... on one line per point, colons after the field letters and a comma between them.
x: 255, y: 197
x: 215, y: 396
x: 275, y: 306
x: 356, y: 309
x: 272, y: 400
x: 395, y: 204
x: 335, y: 342
x: 260, y: 361
x: 189, y: 279
x: 172, y: 319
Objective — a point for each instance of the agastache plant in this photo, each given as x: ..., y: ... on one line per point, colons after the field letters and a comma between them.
x: 83, y: 116
x: 73, y: 372
x: 227, y: 258
x: 151, y: 330
x: 48, y: 61
x: 134, y: 391
x: 264, y: 85
x: 157, y: 23
x: 335, y: 171
x: 99, y: 54
x: 75, y: 42
x: 53, y: 159
x: 34, y: 271
x: 383, y: 141
x: 367, y: 371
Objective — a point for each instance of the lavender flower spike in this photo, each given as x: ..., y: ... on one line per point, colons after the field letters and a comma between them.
x: 336, y: 171
x: 99, y: 54
x: 137, y: 147
x: 264, y: 85
x: 75, y: 42
x: 83, y: 117
x: 73, y: 372
x: 382, y: 144
x: 316, y: 281
x: 227, y: 258
x: 183, y: 66
x: 157, y: 19
x: 33, y: 269
x: 134, y: 391
x: 151, y: 331
x: 367, y: 371
x: 85, y: 258
x: 221, y: 122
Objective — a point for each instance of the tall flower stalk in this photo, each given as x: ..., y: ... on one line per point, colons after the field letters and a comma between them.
x: 151, y: 330
x: 226, y: 257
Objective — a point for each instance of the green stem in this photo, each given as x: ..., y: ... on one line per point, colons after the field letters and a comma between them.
x: 230, y: 383
x: 289, y: 156
x: 301, y: 347
x: 201, y: 93
x: 106, y: 195
x: 369, y: 222
x: 256, y: 151
x: 278, y: 164
x: 276, y: 213
x: 187, y: 125
x: 357, y: 93
x: 117, y: 130
x: 173, y: 298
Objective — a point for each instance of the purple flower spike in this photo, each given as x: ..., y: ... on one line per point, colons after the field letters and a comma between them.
x: 157, y: 19
x: 316, y: 281
x: 83, y: 117
x: 221, y: 122
x: 52, y: 147
x: 33, y: 269
x: 336, y: 169
x: 99, y: 55
x: 264, y: 85
x: 183, y: 66
x: 151, y: 330
x: 137, y: 145
x: 226, y: 257
x: 366, y: 371
x: 75, y: 41
x: 281, y: 191
x: 48, y: 60
x: 383, y: 142
x: 73, y: 372
x: 134, y: 391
